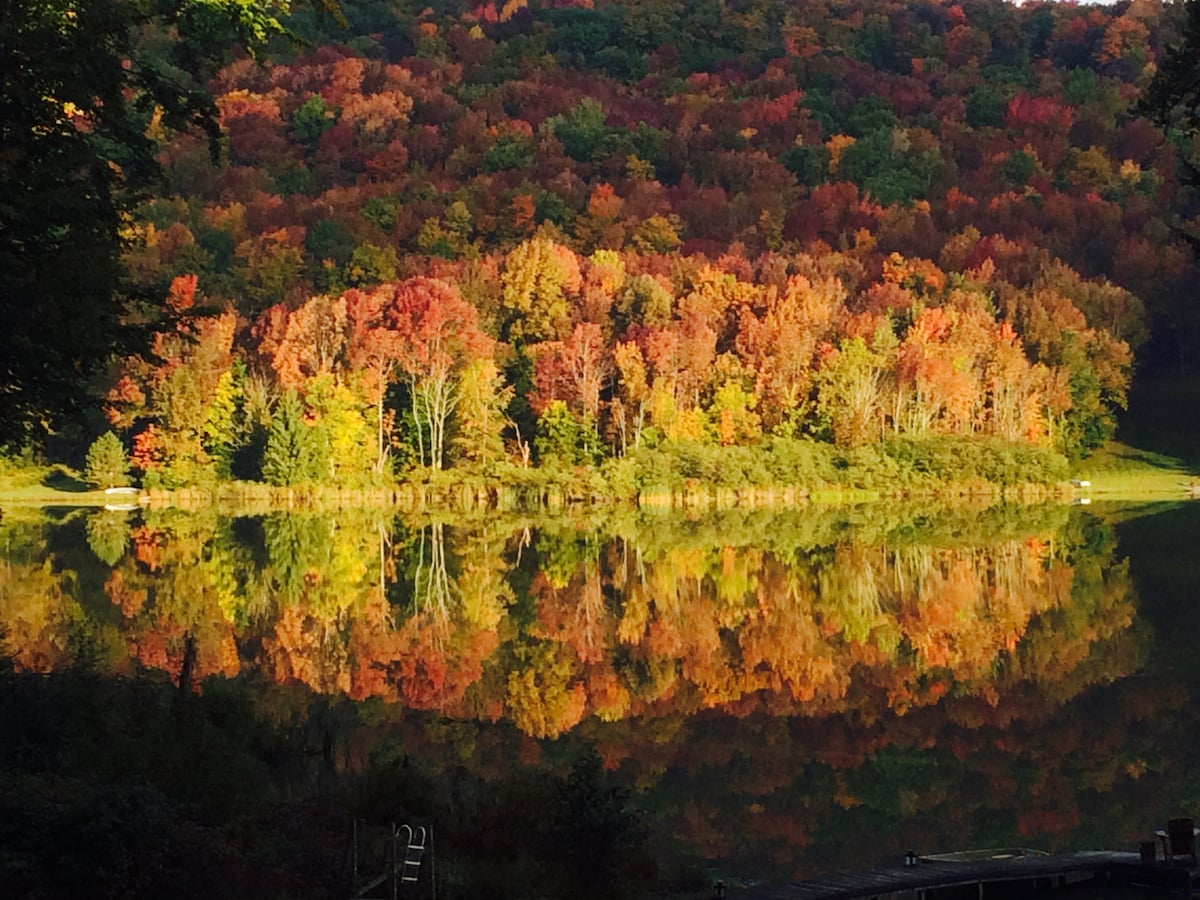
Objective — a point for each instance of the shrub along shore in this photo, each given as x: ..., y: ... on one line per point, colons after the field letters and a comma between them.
x: 776, y: 473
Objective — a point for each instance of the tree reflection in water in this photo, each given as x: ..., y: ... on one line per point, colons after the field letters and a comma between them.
x: 765, y: 687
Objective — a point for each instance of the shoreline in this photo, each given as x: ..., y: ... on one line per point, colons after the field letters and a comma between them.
x: 417, y: 497
x: 1116, y: 473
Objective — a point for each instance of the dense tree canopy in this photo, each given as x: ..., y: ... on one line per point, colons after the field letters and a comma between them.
x: 675, y: 222
x: 1173, y: 95
x: 84, y: 87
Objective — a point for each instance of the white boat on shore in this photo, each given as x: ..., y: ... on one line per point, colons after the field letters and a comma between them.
x: 122, y: 498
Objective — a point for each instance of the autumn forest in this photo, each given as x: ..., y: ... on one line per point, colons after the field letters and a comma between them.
x: 820, y: 236
x: 643, y: 441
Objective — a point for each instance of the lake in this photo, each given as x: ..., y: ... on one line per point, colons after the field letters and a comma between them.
x: 675, y: 697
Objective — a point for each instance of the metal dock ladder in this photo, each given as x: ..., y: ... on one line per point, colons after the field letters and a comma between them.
x: 414, y: 852
x: 400, y: 851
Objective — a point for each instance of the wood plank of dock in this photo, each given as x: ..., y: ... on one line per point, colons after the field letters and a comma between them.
x: 927, y: 877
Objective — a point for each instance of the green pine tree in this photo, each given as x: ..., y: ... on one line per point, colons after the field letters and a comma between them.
x: 294, y: 452
x: 107, y: 464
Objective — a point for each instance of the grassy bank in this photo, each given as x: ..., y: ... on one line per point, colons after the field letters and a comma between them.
x: 27, y: 482
x: 1121, y: 472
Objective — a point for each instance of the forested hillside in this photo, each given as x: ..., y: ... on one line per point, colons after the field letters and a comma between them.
x: 456, y: 235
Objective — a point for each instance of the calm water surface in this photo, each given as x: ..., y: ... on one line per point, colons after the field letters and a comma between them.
x: 779, y: 694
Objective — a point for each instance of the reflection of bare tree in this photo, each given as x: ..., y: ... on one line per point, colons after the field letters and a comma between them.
x: 576, y: 614
x: 856, y: 587
x: 593, y: 617
x: 322, y: 572
x: 433, y: 591
x: 386, y: 569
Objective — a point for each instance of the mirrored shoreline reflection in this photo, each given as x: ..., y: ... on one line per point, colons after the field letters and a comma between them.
x: 764, y: 685
x: 806, y: 614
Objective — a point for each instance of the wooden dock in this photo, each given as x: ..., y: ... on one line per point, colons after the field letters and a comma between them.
x: 930, y: 879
